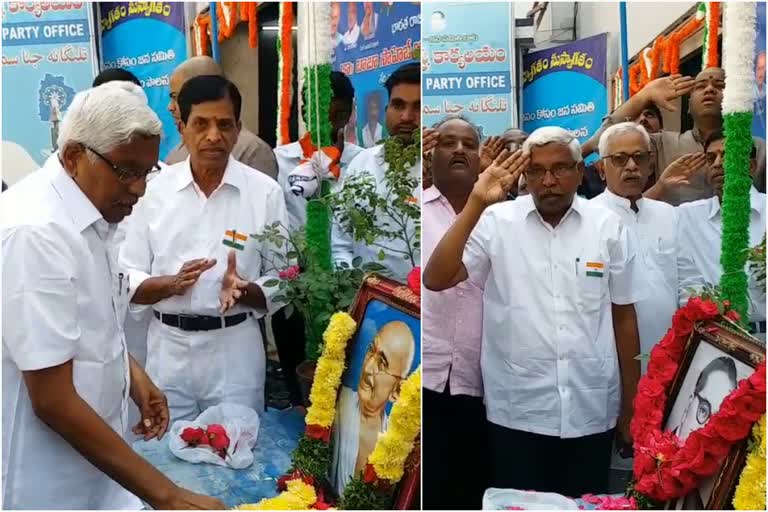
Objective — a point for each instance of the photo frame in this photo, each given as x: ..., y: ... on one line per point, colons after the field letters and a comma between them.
x: 716, y: 358
x: 384, y: 351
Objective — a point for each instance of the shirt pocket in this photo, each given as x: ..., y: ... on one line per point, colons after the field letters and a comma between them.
x: 592, y: 280
x: 664, y: 256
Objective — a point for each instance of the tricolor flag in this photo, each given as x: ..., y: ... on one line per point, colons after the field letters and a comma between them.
x: 595, y: 269
x: 234, y: 239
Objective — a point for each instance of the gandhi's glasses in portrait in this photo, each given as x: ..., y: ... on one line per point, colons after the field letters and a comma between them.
x: 382, y: 364
x: 125, y: 175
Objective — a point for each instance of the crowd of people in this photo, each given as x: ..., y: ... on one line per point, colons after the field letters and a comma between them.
x: 127, y: 277
x: 548, y: 278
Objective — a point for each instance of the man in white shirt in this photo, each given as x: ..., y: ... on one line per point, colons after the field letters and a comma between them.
x: 700, y: 230
x: 560, y: 338
x: 335, y: 18
x: 353, y: 28
x: 372, y: 130
x: 625, y: 158
x: 403, y: 116
x: 190, y: 256
x: 289, y: 156
x: 361, y: 414
x: 67, y: 374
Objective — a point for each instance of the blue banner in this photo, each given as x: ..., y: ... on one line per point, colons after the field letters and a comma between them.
x: 758, y: 121
x: 467, y: 64
x: 566, y: 86
x: 371, y: 40
x: 147, y: 39
x: 47, y: 57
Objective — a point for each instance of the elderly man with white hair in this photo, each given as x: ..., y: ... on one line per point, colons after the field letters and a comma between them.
x: 625, y: 166
x: 67, y: 375
x: 561, y: 278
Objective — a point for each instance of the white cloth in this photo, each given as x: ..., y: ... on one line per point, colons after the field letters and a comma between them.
x: 62, y: 300
x: 346, y: 438
x: 175, y: 223
x: 345, y: 248
x: 654, y: 227
x: 700, y: 229
x: 288, y: 157
x: 370, y: 138
x: 549, y: 359
x: 351, y: 36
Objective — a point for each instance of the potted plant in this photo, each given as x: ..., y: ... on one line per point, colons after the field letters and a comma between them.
x: 314, y: 291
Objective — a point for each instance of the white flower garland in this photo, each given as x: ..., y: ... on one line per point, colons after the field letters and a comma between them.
x: 739, y: 28
x: 313, y: 41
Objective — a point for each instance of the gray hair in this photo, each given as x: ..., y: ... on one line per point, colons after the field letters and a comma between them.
x: 621, y: 129
x: 459, y: 117
x: 128, y: 87
x: 553, y: 135
x: 108, y: 116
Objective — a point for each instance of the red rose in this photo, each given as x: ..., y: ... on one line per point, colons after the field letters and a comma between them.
x: 219, y: 439
x: 710, y: 309
x: 320, y: 504
x: 318, y: 432
x: 414, y: 280
x: 282, y: 482
x: 369, y: 475
x: 192, y: 436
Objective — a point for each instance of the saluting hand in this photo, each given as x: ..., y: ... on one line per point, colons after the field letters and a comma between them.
x: 497, y: 180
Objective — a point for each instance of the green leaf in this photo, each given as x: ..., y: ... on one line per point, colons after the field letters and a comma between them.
x: 381, y: 255
x: 271, y: 283
x: 357, y: 261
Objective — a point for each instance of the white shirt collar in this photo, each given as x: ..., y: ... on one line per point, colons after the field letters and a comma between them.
x: 529, y: 207
x: 80, y: 208
x: 623, y: 202
x: 756, y: 203
x: 233, y: 175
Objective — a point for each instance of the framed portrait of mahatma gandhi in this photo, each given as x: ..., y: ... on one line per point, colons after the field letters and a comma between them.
x: 716, y: 359
x: 384, y: 351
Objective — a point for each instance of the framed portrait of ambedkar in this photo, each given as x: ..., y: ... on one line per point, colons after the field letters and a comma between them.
x: 716, y: 359
x: 384, y: 351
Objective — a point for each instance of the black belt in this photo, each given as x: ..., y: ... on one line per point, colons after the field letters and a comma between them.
x: 200, y: 323
x: 757, y: 327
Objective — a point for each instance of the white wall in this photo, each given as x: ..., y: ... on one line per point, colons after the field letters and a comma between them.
x: 645, y: 21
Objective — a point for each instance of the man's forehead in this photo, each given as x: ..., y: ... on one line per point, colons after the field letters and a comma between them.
x: 407, y: 92
x: 456, y: 127
x: 710, y: 74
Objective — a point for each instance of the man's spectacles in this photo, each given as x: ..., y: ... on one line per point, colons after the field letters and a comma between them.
x: 380, y: 358
x: 703, y: 409
x: 620, y: 160
x: 125, y: 175
x: 558, y: 171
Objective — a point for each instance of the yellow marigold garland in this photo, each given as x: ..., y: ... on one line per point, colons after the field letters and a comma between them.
x: 395, y: 445
x: 750, y: 493
x: 299, y: 496
x: 329, y: 369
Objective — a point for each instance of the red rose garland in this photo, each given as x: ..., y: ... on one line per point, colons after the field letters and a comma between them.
x: 666, y: 468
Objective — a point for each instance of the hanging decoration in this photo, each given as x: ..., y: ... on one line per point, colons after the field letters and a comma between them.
x: 750, y: 492
x: 709, y: 12
x: 284, y: 72
x: 739, y: 47
x: 617, y: 89
x: 228, y: 16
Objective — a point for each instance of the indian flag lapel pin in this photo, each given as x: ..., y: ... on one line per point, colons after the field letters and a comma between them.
x: 234, y: 239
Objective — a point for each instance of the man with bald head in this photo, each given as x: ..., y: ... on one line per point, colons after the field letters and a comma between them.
x: 249, y: 148
x: 705, y: 107
x: 362, y: 415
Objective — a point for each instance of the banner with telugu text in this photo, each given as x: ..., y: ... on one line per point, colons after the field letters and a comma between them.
x: 370, y: 40
x: 467, y: 64
x: 147, y: 39
x: 47, y: 57
x: 566, y: 86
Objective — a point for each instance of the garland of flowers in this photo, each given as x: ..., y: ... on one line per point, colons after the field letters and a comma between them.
x: 284, y: 72
x: 228, y: 15
x: 374, y: 489
x: 739, y: 48
x: 299, y: 495
x: 710, y: 13
x: 750, y: 492
x: 253, y: 24
x: 200, y: 34
x: 665, y: 467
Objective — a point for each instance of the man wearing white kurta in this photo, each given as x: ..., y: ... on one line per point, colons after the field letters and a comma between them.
x: 560, y: 338
x: 625, y: 159
x: 190, y: 256
x: 289, y: 156
x: 67, y: 374
x: 700, y: 230
x: 403, y: 115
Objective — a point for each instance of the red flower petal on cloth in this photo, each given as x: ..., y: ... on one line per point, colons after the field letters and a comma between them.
x: 192, y: 435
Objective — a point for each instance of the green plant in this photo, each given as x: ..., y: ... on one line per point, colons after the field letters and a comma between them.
x: 379, y: 219
x: 316, y: 292
x: 360, y: 496
x: 756, y: 261
x: 312, y: 457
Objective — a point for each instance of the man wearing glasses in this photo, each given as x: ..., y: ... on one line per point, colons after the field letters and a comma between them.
x: 67, y: 375
x: 561, y: 276
x: 625, y: 160
x: 192, y: 261
x: 362, y: 414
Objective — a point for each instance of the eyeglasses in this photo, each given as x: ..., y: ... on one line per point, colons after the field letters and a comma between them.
x: 703, y: 410
x: 125, y: 175
x: 380, y: 358
x: 558, y: 171
x: 620, y: 160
